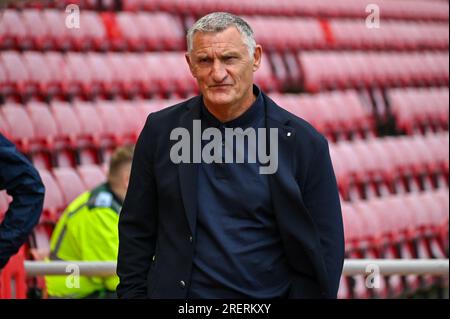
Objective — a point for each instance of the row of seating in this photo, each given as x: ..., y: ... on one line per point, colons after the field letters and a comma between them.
x: 140, y: 31
x: 340, y: 115
x: 398, y: 227
x: 50, y: 29
x: 377, y: 167
x: 307, y: 33
x: 399, y: 9
x: 391, y: 35
x: 419, y: 110
x: 40, y: 129
x: 97, y: 74
x: 331, y: 70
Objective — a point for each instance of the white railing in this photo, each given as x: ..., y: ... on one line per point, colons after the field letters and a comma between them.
x: 351, y: 267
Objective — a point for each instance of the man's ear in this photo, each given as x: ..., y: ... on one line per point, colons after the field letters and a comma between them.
x: 189, y: 62
x: 257, y: 56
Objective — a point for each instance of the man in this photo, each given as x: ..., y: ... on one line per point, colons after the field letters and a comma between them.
x: 87, y: 231
x: 21, y: 181
x: 209, y: 229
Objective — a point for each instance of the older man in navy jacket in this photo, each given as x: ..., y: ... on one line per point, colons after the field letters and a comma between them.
x: 196, y: 224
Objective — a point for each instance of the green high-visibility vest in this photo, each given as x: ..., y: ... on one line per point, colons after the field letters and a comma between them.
x: 86, y: 231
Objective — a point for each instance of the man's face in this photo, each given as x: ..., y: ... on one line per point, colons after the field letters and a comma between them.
x: 222, y: 66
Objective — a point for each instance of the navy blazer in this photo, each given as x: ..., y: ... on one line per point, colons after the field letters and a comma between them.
x: 158, y: 219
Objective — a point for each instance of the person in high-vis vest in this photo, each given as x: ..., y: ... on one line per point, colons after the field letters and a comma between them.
x: 88, y: 231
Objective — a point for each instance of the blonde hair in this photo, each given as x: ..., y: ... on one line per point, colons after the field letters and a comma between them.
x: 121, y: 156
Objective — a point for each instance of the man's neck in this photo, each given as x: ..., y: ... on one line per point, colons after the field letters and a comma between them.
x: 225, y: 113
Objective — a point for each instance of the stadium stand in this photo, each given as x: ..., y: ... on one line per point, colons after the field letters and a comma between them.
x: 68, y: 97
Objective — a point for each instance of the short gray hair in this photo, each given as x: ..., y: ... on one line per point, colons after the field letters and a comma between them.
x: 220, y: 21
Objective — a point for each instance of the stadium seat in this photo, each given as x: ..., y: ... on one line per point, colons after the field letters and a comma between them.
x: 21, y: 127
x: 17, y: 79
x: 69, y: 182
x: 114, y: 130
x: 91, y: 175
x: 37, y: 30
x: 53, y: 201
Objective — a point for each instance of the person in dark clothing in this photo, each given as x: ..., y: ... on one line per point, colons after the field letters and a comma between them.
x: 201, y: 226
x: 21, y: 181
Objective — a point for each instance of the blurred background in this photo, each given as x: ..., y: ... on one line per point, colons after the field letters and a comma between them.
x: 78, y: 81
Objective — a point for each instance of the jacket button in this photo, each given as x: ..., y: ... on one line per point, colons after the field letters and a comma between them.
x: 182, y: 284
x: 190, y: 239
x: 153, y: 257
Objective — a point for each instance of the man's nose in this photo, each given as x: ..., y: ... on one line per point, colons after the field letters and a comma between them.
x: 218, y: 72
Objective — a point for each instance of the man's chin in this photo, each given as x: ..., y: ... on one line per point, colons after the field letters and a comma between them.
x: 219, y: 99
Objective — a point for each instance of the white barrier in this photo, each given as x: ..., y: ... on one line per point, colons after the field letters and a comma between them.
x: 351, y: 267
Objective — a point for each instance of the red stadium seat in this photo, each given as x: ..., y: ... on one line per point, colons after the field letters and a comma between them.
x: 53, y: 201
x: 37, y: 29
x: 114, y: 130
x: 20, y: 125
x: 17, y: 79
x: 59, y: 36
x: 131, y: 118
x: 91, y: 175
x: 69, y: 182
x: 14, y: 33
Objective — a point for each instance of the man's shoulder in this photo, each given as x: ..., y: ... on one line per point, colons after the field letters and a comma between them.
x: 304, y: 130
x: 169, y: 115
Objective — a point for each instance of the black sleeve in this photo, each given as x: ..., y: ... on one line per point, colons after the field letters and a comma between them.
x: 21, y: 181
x: 322, y: 199
x: 137, y: 223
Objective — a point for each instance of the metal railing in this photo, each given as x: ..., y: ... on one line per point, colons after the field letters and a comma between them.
x: 351, y: 267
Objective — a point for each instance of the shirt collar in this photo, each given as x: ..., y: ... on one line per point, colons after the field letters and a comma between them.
x: 254, y: 112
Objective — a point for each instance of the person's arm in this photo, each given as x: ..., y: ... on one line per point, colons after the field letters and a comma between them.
x: 21, y: 181
x: 137, y: 223
x: 321, y: 197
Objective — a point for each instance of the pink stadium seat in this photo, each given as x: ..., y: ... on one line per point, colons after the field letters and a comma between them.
x: 69, y: 182
x: 37, y: 29
x: 131, y: 117
x: 92, y: 34
x: 14, y: 33
x: 22, y: 130
x: 130, y: 31
x: 91, y: 124
x: 114, y: 130
x: 60, y: 73
x: 53, y: 201
x: 17, y: 79
x: 102, y: 75
x: 59, y: 36
x: 91, y: 175
x: 81, y: 74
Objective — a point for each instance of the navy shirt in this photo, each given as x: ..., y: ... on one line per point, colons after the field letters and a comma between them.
x: 23, y: 183
x: 238, y: 249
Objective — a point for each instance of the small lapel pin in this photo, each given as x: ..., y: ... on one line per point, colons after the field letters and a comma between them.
x: 288, y: 133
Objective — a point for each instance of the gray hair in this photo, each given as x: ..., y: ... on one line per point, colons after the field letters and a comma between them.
x: 219, y: 21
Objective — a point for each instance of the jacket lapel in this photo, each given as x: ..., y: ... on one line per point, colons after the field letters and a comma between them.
x: 187, y: 172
